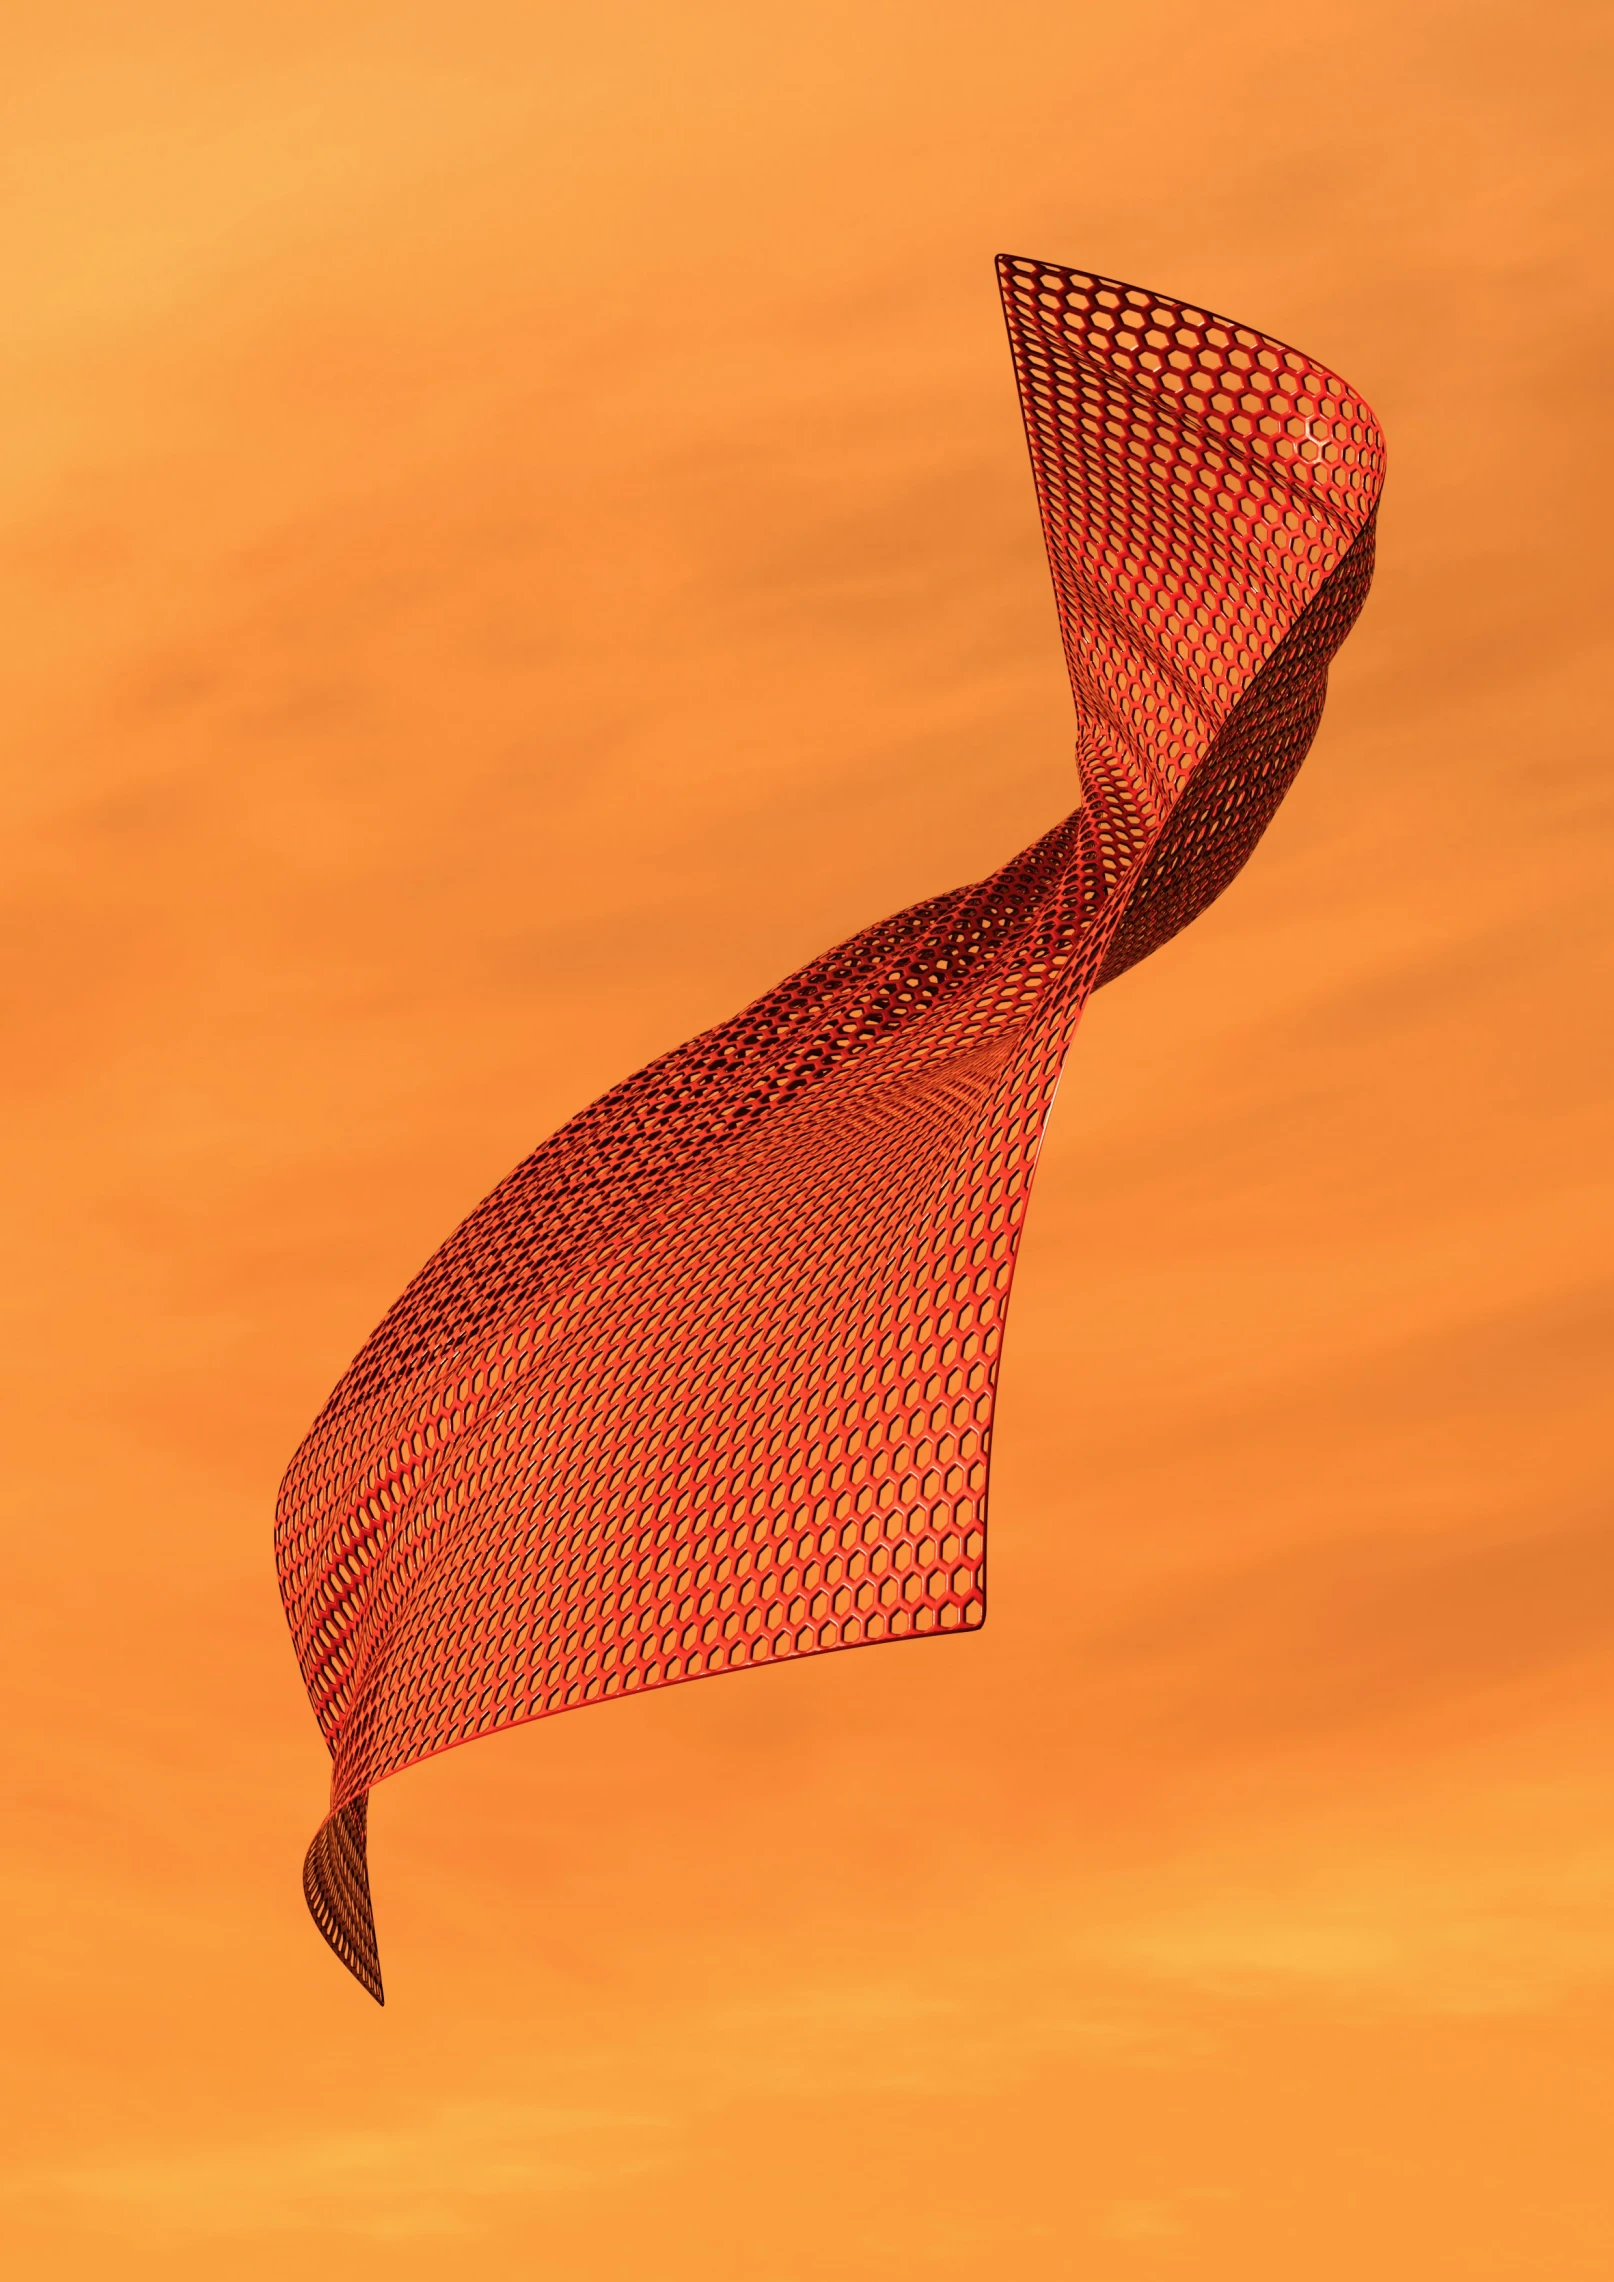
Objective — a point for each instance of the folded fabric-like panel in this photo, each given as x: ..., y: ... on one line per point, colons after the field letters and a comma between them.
x: 707, y: 1382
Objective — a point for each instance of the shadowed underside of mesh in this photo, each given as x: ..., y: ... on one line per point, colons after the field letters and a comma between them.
x: 707, y: 1382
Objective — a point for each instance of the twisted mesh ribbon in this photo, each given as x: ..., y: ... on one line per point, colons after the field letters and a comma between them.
x: 707, y: 1382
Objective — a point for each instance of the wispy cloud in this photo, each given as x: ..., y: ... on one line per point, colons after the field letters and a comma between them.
x: 1424, y: 1935
x: 437, y: 2176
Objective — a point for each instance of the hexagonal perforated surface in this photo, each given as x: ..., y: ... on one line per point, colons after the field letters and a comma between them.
x: 707, y: 1382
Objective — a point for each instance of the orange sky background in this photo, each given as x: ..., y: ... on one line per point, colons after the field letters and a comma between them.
x: 517, y: 533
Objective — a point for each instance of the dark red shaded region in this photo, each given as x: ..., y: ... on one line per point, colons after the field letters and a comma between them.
x: 707, y: 1382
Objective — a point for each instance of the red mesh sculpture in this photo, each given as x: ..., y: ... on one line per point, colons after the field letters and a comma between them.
x: 708, y: 1380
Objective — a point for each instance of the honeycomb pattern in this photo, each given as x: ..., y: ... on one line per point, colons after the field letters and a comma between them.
x: 707, y: 1382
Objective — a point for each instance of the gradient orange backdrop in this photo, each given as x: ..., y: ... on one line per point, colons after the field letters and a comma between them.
x: 517, y: 533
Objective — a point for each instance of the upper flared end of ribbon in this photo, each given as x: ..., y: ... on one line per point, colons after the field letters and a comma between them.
x: 1266, y: 402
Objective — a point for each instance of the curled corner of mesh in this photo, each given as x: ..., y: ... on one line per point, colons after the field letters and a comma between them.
x: 707, y: 1382
x: 336, y: 1887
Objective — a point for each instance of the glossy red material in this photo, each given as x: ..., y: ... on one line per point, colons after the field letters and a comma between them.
x: 707, y: 1382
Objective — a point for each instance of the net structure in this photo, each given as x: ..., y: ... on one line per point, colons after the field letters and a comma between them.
x: 707, y: 1382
